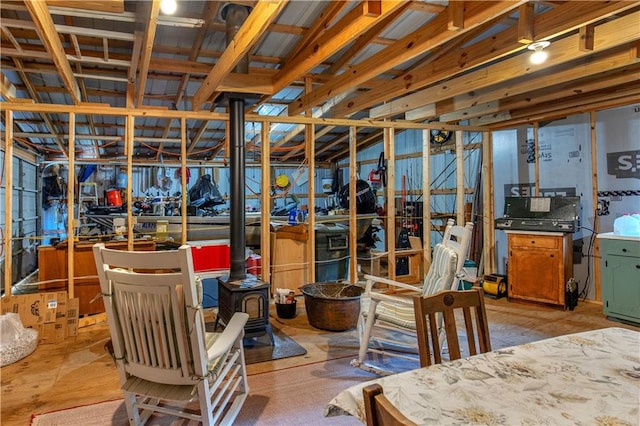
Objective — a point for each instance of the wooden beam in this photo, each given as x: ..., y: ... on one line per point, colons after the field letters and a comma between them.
x: 553, y: 23
x: 8, y: 201
x: 112, y: 6
x: 7, y: 89
x: 608, y: 36
x: 47, y: 32
x: 456, y: 15
x: 351, y: 26
x: 72, y: 222
x: 433, y: 34
x: 526, y: 21
x: 319, y: 26
x: 209, y: 14
x: 265, y: 201
x: 569, y: 77
x: 249, y: 33
x: 147, y: 48
x: 567, y: 88
x: 586, y: 38
x: 365, y: 39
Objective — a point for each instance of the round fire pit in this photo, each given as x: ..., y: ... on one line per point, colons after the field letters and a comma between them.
x: 332, y: 306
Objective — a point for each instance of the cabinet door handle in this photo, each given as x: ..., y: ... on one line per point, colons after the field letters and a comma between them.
x: 550, y: 255
x: 637, y: 266
x: 624, y: 250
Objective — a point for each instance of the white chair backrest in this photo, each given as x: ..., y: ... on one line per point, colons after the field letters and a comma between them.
x: 153, y: 312
x: 448, y: 258
x: 459, y: 239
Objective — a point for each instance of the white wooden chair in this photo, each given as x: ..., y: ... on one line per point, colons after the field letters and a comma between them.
x: 164, y: 357
x: 387, y: 324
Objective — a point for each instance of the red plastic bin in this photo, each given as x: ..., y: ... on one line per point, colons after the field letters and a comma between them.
x: 210, y: 255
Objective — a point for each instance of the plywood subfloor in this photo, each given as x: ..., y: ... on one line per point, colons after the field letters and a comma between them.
x: 78, y: 371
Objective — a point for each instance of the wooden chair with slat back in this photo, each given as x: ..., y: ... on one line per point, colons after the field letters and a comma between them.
x: 446, y: 304
x: 380, y: 411
x: 164, y: 356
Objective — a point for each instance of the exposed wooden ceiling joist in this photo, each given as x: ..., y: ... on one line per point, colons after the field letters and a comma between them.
x: 49, y: 37
x: 253, y: 28
x: 428, y: 37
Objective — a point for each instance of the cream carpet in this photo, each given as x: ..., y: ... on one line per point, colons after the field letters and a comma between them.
x: 283, y: 397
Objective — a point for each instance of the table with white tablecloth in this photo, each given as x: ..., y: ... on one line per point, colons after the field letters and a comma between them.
x: 590, y: 378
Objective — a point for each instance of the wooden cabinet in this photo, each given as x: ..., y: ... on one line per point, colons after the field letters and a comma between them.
x: 289, y: 258
x: 53, y: 271
x: 540, y: 264
x: 620, y: 276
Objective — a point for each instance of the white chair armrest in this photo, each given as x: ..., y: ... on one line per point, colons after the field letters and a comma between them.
x: 231, y: 333
x: 373, y: 279
x: 381, y: 297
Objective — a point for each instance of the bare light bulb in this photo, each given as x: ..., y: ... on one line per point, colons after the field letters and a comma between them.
x: 539, y: 55
x: 168, y: 7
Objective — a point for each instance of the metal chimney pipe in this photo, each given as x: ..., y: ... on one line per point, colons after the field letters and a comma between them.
x: 237, y: 163
x: 235, y: 16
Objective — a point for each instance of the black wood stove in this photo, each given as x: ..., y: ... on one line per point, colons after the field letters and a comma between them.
x: 249, y: 295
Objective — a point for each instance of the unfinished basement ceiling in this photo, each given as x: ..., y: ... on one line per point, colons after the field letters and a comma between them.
x: 423, y: 61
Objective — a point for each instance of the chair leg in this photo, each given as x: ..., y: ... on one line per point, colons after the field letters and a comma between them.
x: 365, y: 335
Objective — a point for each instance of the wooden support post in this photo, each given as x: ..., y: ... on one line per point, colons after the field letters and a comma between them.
x: 525, y: 23
x: 390, y: 231
x: 353, y: 221
x: 265, y: 203
x: 426, y: 198
x: 128, y: 143
x: 488, y: 215
x: 594, y: 195
x: 310, y: 149
x: 183, y: 178
x: 536, y: 127
x: 460, y: 216
x: 71, y: 191
x: 8, y: 194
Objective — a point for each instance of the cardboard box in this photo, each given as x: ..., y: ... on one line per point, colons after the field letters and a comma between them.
x: 45, y: 312
x: 28, y: 306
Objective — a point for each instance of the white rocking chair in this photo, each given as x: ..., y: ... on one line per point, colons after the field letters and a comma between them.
x: 164, y: 357
x: 387, y: 324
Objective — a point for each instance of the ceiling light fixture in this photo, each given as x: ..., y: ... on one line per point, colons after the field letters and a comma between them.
x: 168, y: 7
x: 539, y: 55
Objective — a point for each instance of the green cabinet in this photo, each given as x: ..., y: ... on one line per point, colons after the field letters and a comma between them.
x: 620, y: 276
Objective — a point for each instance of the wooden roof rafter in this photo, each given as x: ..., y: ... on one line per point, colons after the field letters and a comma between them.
x: 356, y: 22
x: 249, y: 33
x: 49, y: 37
x: 146, y: 50
x: 560, y: 52
x: 433, y: 34
x: 553, y: 23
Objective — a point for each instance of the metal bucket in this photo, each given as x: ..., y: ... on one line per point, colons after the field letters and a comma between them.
x: 332, y: 306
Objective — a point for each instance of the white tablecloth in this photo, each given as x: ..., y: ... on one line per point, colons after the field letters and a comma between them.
x: 589, y: 378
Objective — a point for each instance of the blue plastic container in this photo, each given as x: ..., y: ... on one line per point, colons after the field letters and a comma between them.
x: 626, y: 226
x: 209, y: 293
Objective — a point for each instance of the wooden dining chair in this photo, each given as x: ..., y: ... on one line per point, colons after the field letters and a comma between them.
x: 380, y: 411
x: 445, y: 304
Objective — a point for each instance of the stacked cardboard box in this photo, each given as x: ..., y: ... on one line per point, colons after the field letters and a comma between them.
x: 52, y: 314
